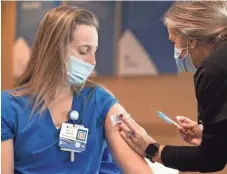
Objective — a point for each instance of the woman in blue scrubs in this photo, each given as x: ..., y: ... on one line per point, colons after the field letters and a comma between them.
x: 53, y: 86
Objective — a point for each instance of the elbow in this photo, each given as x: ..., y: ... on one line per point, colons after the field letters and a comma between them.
x: 212, y: 166
x: 220, y: 168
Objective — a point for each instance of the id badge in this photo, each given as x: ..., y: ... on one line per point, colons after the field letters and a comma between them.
x: 73, y: 137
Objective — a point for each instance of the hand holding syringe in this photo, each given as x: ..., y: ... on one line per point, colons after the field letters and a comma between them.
x: 164, y: 117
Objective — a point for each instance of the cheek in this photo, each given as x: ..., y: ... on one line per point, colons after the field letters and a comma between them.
x: 81, y: 57
x: 90, y: 59
x: 87, y: 58
x: 93, y: 62
x: 73, y: 52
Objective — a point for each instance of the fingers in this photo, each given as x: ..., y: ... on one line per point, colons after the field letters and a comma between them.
x: 182, y: 119
x: 184, y: 131
x: 138, y: 127
x: 130, y: 124
x: 126, y: 139
x: 124, y: 128
x: 187, y: 136
x: 181, y: 131
x: 185, y: 122
x: 182, y: 135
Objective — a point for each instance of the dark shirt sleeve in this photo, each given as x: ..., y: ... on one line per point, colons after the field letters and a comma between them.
x: 211, y: 155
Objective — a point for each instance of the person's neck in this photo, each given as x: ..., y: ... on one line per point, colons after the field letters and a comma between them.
x: 206, y: 51
x: 63, y: 91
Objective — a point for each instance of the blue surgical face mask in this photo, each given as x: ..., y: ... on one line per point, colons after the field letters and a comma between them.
x: 184, y: 64
x: 78, y: 71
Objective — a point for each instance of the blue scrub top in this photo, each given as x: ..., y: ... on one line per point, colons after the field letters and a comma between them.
x: 36, y: 149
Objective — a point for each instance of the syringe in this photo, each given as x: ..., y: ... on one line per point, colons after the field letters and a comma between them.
x: 164, y: 117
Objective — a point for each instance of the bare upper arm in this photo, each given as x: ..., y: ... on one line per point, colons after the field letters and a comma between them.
x: 7, y: 157
x: 128, y: 160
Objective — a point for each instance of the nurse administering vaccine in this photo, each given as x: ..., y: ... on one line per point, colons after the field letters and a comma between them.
x: 57, y: 121
x: 198, y: 30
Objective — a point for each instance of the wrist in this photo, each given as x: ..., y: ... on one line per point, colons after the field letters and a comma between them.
x: 152, y: 151
x: 158, y: 158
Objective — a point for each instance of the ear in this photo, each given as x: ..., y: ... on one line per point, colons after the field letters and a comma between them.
x: 192, y: 43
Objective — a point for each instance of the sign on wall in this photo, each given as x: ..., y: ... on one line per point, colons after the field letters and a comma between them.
x: 144, y: 47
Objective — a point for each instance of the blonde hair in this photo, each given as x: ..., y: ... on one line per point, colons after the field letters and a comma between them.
x: 47, y: 63
x: 201, y: 20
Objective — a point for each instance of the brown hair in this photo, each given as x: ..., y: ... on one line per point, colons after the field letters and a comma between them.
x: 47, y: 63
x: 201, y: 20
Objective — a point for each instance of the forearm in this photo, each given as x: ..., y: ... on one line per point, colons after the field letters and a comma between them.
x: 183, y: 158
x: 210, y: 156
x: 188, y: 158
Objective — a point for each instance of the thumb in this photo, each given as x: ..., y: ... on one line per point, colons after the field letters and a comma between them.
x: 186, y: 125
x: 182, y: 119
x: 184, y: 122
